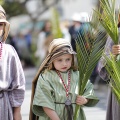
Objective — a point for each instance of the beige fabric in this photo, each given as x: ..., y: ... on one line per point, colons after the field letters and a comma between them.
x: 3, y: 20
x: 55, y: 45
x: 55, y: 50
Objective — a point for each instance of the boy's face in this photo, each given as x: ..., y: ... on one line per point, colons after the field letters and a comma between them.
x: 63, y: 63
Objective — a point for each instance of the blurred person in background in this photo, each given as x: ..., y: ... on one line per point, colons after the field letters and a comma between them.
x: 12, y: 40
x: 64, y: 25
x: 74, y: 28
x: 12, y: 79
x: 22, y: 48
x: 28, y: 38
x: 79, y: 26
x: 42, y: 42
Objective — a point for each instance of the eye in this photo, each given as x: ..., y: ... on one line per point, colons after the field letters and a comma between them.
x: 68, y: 59
x: 59, y: 60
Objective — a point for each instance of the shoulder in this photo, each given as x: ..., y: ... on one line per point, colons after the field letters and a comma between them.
x: 48, y: 74
x: 9, y: 48
x: 75, y: 72
x: 10, y: 51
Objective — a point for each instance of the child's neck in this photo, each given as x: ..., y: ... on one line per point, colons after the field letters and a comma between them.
x: 64, y: 71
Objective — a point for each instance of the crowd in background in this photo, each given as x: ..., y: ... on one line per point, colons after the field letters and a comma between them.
x: 23, y: 42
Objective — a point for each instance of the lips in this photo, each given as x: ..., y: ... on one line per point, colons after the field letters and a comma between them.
x: 64, y: 68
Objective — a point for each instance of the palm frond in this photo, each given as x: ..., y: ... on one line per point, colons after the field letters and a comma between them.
x: 89, y: 44
x: 56, y: 30
x: 113, y: 69
x: 109, y: 18
x: 89, y: 55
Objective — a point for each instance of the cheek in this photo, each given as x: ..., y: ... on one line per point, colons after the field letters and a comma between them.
x: 70, y: 63
x: 55, y: 64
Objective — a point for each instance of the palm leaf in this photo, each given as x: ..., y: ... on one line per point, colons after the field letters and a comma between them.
x: 56, y: 30
x: 89, y: 45
x: 109, y: 18
x: 113, y: 69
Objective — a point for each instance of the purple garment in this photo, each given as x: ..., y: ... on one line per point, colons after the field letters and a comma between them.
x: 12, y: 82
x: 113, y: 107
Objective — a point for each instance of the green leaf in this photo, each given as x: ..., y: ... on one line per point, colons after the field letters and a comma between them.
x: 113, y: 69
x: 89, y: 45
x: 56, y: 31
x: 109, y: 18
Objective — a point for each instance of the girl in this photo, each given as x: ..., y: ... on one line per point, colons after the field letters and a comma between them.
x: 56, y: 90
x: 12, y: 80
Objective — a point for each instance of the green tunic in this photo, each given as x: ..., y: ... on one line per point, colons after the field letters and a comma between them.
x: 50, y: 89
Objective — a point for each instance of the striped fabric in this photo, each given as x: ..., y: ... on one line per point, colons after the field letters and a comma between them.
x: 50, y: 89
x: 12, y: 82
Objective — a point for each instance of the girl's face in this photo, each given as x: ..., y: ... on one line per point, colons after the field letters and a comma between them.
x: 63, y: 63
x: 1, y: 28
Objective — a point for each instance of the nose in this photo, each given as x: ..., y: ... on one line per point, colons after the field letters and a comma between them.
x: 64, y: 63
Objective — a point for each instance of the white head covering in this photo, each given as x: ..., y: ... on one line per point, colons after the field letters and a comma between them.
x: 84, y: 17
x: 76, y: 17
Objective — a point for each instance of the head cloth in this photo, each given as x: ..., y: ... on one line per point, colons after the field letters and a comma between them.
x: 3, y: 20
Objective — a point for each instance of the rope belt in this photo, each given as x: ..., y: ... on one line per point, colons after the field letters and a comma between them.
x: 69, y: 109
x: 3, y: 91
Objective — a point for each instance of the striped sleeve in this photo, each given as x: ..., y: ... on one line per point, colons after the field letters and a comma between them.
x: 43, y: 97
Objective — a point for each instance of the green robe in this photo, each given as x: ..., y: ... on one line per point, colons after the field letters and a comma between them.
x: 50, y: 89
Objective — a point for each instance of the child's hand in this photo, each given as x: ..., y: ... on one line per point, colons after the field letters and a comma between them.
x: 80, y: 100
x: 116, y: 49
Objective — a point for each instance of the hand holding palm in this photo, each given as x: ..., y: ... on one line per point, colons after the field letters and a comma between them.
x: 80, y: 100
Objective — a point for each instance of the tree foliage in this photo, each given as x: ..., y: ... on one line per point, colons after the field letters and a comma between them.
x: 14, y: 8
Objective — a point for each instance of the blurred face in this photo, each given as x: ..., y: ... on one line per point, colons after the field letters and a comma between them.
x: 1, y: 28
x: 63, y: 63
